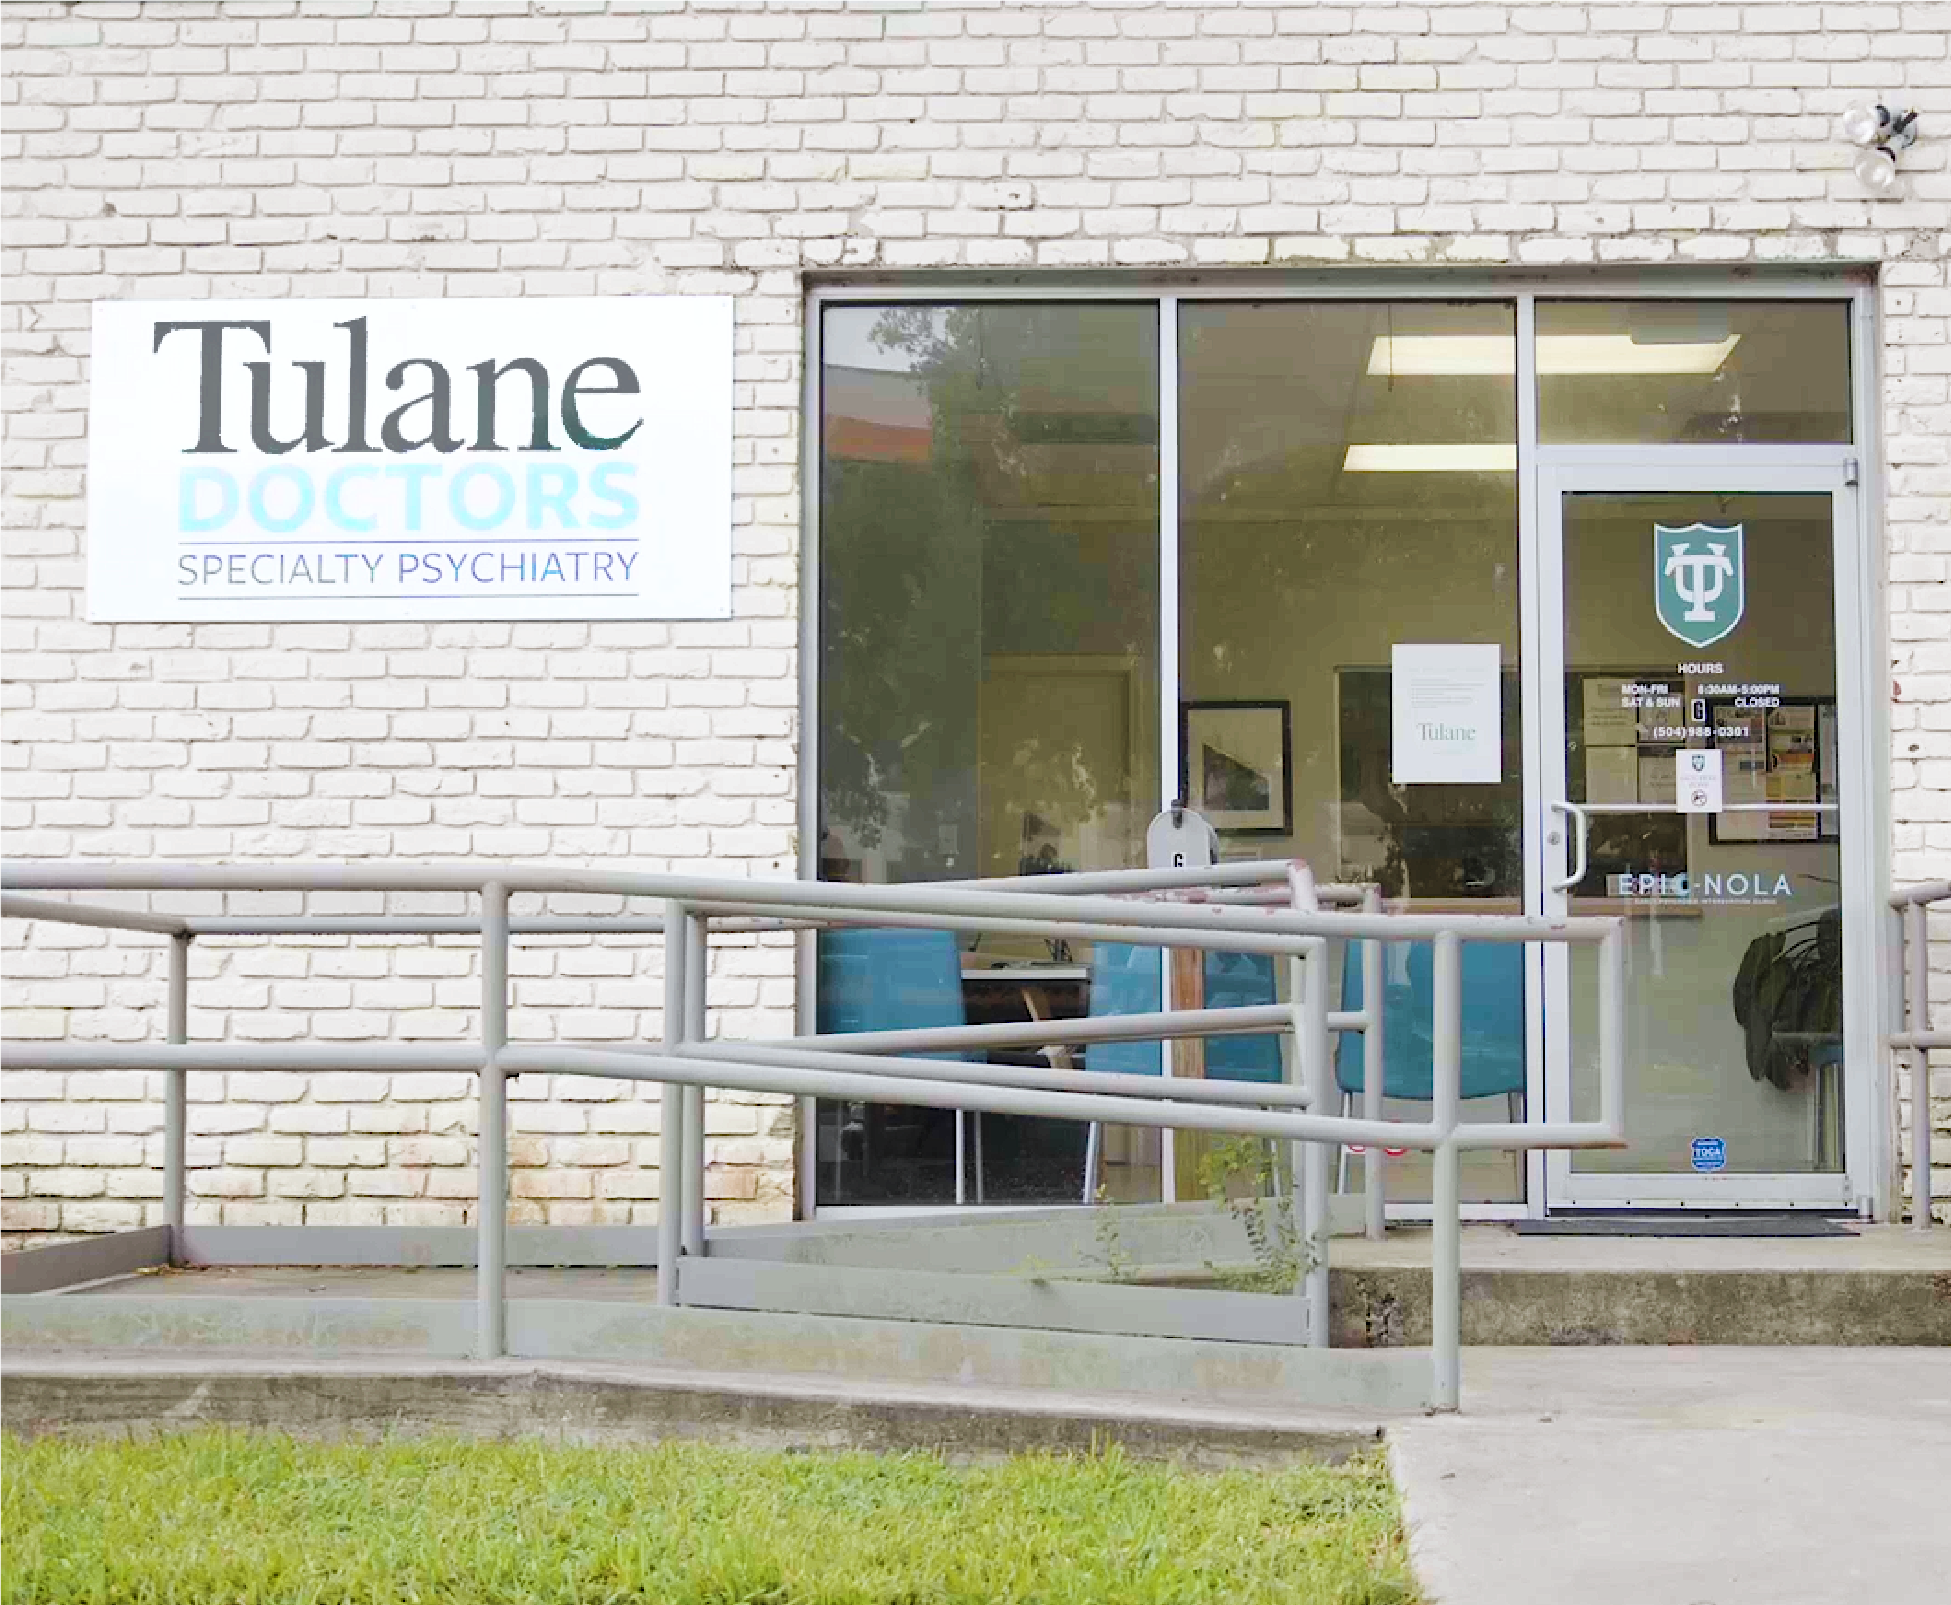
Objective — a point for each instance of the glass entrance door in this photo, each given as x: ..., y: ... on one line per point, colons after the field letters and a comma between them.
x: 1694, y: 749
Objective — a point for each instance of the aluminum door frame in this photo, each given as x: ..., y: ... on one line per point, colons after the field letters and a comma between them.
x: 1727, y: 470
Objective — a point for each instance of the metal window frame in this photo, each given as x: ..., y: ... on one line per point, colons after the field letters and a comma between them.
x: 1871, y: 1164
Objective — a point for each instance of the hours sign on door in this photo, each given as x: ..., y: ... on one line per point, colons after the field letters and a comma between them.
x: 457, y: 459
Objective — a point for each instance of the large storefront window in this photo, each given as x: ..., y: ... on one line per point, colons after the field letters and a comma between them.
x: 988, y: 682
x: 1349, y: 481
x: 1361, y: 493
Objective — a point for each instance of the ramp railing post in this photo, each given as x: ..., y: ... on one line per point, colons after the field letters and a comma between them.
x: 176, y: 1098
x: 1917, y: 1021
x: 1168, y: 1139
x: 1317, y: 1157
x: 696, y: 961
x: 670, y: 1141
x: 491, y: 1310
x: 1308, y: 981
x: 1374, y: 1177
x: 1446, y: 1210
x: 1612, y: 1031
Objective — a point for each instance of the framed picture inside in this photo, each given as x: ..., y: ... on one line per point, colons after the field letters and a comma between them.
x: 1236, y: 765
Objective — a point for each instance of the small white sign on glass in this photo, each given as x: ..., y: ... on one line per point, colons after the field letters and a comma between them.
x: 1697, y: 780
x: 1178, y: 838
x: 1446, y: 714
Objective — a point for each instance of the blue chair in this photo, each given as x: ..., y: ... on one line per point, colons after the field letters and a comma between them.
x: 1493, y: 1026
x: 894, y: 980
x: 1125, y: 980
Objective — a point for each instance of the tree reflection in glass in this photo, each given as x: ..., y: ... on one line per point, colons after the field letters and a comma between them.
x: 988, y: 629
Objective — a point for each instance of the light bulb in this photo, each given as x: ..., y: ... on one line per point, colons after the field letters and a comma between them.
x: 1865, y: 125
x: 1876, y: 168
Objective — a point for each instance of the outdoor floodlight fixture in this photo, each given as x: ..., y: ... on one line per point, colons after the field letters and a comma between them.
x: 1881, y: 133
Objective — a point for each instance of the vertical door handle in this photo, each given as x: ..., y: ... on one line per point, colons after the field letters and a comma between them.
x: 1581, y: 827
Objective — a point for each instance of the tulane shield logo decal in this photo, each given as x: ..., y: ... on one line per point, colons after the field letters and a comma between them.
x: 1700, y: 583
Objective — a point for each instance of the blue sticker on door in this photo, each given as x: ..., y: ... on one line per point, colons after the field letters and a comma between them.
x: 1710, y: 1153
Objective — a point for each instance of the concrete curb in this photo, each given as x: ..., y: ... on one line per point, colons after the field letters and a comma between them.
x: 1387, y: 1306
x: 575, y: 1403
x: 1426, y: 1556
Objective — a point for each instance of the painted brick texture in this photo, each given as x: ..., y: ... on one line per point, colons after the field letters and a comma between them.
x: 472, y: 147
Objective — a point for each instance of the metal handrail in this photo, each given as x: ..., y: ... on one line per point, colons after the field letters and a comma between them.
x: 1221, y: 908
x: 1917, y: 1038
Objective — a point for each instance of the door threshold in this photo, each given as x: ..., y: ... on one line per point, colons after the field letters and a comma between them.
x: 1675, y: 1223
x: 1473, y: 1214
x: 1693, y: 1211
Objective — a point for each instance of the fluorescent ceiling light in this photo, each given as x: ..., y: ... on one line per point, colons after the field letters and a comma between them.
x: 1409, y: 355
x: 1456, y: 458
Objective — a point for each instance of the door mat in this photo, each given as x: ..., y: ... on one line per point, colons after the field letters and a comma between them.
x: 1685, y: 1226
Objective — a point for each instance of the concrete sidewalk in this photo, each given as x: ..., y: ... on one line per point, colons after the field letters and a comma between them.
x: 1685, y: 1476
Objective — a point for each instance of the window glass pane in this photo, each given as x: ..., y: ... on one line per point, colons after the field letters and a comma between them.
x: 1693, y: 371
x: 988, y: 677
x: 1348, y: 484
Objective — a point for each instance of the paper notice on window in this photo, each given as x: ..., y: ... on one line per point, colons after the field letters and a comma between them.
x: 1792, y: 755
x: 1446, y: 715
x: 1610, y: 719
x: 1612, y: 774
x: 1744, y: 781
x: 1828, y: 789
x: 1697, y: 780
x: 1655, y: 777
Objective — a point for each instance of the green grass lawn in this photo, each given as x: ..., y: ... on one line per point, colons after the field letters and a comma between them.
x: 228, y: 1518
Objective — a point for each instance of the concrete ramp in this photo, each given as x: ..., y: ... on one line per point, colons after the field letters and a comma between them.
x: 130, y: 1320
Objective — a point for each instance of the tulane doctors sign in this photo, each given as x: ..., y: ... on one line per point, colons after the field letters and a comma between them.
x: 460, y: 459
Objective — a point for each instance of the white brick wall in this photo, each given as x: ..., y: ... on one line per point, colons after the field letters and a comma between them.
x: 473, y: 147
